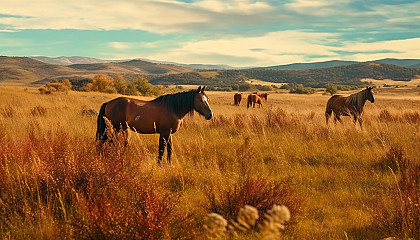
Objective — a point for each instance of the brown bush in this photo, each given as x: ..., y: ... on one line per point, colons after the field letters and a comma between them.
x: 7, y: 111
x: 413, y: 117
x: 277, y: 118
x: 400, y: 215
x: 385, y: 115
x: 255, y: 191
x: 39, y: 111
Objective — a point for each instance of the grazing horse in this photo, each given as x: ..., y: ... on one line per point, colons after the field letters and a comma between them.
x: 256, y: 98
x: 263, y: 96
x: 237, y: 98
x: 349, y: 106
x: 162, y: 115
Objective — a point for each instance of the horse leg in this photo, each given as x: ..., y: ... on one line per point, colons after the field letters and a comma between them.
x: 169, y: 146
x: 337, y: 117
x: 360, y: 122
x: 327, y: 117
x: 162, y: 146
x: 355, y: 117
x: 328, y: 113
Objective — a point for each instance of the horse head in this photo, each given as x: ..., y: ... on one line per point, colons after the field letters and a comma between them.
x: 201, y: 104
x: 369, y: 94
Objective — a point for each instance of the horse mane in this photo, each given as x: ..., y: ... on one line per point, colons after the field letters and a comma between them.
x: 357, y: 100
x: 178, y: 103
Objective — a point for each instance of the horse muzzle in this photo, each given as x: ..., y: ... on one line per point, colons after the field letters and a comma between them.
x: 209, y: 116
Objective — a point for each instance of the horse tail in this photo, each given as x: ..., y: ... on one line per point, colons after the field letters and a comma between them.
x: 101, y: 125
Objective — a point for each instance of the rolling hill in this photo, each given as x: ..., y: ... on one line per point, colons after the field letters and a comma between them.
x: 24, y: 70
x: 65, y: 61
x: 413, y: 63
x: 305, y: 66
x: 69, y: 60
x: 319, y: 77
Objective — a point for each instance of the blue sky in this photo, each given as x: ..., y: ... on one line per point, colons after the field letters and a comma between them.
x: 236, y: 32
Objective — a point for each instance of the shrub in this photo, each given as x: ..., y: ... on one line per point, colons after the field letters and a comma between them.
x: 44, y: 90
x: 146, y: 88
x: 38, y: 111
x: 102, y: 83
x: 331, y: 89
x: 399, y: 215
x: 258, y: 192
x: 300, y: 89
x: 7, y: 111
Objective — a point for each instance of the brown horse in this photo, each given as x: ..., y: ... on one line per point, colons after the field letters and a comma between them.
x: 237, y: 98
x: 162, y: 115
x: 263, y: 96
x: 256, y: 98
x: 349, y: 106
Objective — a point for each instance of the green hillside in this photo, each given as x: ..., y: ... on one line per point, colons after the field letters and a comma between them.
x: 343, y: 75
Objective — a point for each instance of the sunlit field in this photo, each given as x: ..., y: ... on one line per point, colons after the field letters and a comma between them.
x: 338, y: 181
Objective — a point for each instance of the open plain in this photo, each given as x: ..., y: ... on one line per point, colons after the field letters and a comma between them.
x: 339, y: 181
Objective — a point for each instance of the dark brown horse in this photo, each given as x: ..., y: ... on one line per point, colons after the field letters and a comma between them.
x: 349, y: 106
x: 254, y: 98
x: 237, y: 98
x: 162, y: 115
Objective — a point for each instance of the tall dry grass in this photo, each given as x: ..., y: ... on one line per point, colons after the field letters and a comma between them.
x: 339, y: 182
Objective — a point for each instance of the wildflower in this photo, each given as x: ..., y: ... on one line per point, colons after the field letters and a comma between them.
x: 247, y: 216
x: 274, y: 222
x: 215, y: 225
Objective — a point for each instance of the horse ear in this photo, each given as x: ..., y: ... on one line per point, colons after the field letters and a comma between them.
x: 199, y: 89
x: 202, y: 90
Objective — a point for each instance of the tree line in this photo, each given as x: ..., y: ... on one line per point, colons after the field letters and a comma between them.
x: 106, y: 84
x: 316, y: 78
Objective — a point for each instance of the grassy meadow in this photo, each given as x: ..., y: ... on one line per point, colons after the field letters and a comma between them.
x: 338, y: 181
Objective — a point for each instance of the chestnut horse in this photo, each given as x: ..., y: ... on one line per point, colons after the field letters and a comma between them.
x: 256, y: 98
x: 349, y: 106
x: 237, y: 98
x: 162, y: 115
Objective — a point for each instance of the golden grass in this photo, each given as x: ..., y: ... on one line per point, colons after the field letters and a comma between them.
x: 264, y: 83
x: 209, y: 74
x: 54, y: 185
x: 412, y: 83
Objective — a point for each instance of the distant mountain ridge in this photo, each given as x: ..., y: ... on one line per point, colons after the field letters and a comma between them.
x: 69, y: 60
x: 314, y: 65
x: 89, y: 60
x: 24, y: 70
x: 415, y: 63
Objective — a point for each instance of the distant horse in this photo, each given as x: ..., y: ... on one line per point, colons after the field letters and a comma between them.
x: 162, y: 115
x: 263, y: 96
x: 237, y: 98
x: 256, y: 98
x: 349, y: 106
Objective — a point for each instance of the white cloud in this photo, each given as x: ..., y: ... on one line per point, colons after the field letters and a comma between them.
x: 281, y: 47
x: 405, y: 48
x: 318, y: 7
x: 273, y: 48
x: 156, y: 16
